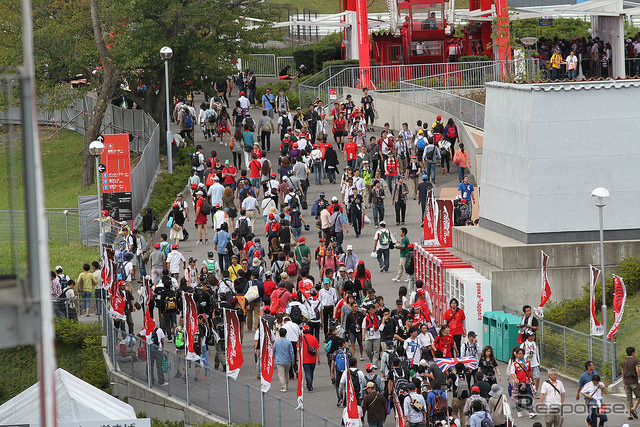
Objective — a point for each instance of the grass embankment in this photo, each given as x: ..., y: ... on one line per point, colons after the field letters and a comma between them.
x: 78, y: 350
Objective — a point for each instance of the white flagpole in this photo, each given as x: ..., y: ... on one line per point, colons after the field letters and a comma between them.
x: 227, y: 364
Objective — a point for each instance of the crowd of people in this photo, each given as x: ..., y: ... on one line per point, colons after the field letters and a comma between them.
x: 250, y: 212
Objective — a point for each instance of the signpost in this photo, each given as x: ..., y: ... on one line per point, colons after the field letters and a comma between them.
x: 545, y: 22
x: 116, y: 177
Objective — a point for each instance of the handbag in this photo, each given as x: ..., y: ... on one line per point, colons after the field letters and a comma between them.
x: 312, y: 351
x: 170, y: 222
x: 231, y: 144
x: 456, y: 159
x: 176, y: 227
x: 366, y: 220
x: 252, y: 294
x: 233, y: 212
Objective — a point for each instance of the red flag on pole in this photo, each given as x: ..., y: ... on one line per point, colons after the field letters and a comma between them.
x: 117, y: 305
x: 546, y: 289
x: 619, y: 300
x: 149, y: 323
x: 267, y: 357
x: 445, y: 223
x: 596, y: 328
x: 300, y: 392
x: 353, y: 414
x: 191, y: 323
x: 429, y: 219
x: 400, y: 421
x: 234, y: 346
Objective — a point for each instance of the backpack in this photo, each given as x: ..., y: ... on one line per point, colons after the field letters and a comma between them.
x: 250, y: 124
x: 402, y: 386
x: 452, y: 133
x: 64, y: 280
x: 295, y: 219
x: 486, y: 421
x: 431, y: 153
x: 462, y: 392
x: 284, y: 151
x: 122, y: 274
x: 197, y: 345
x: 243, y: 227
x: 268, y: 127
x: 195, y: 159
x: 296, y: 314
x: 341, y: 360
x: 284, y: 234
x: 188, y: 121
x: 416, y: 404
x: 438, y: 128
x: 409, y: 264
x: 210, y: 180
x: 355, y: 380
x: 154, y: 337
x: 206, y: 207
x: 421, y: 143
x: 439, y: 404
x: 170, y: 302
x: 464, y: 211
x: 384, y: 238
x: 285, y: 123
x: 273, y: 230
x: 292, y: 270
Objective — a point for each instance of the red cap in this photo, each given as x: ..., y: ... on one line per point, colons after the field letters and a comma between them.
x: 439, y: 118
x: 157, y: 245
x: 122, y: 283
x: 271, y: 216
x: 369, y: 366
x: 105, y: 212
x: 273, y: 175
x: 294, y: 295
x: 306, y: 328
x: 174, y: 246
x: 321, y: 240
x: 302, y: 240
x: 242, y: 92
x: 218, y: 205
x: 475, y: 389
x: 420, y: 291
x: 410, y: 246
x: 463, y: 200
x: 266, y: 307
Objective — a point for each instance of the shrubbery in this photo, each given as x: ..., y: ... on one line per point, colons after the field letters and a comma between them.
x: 314, y: 55
x: 473, y: 58
x: 289, y: 90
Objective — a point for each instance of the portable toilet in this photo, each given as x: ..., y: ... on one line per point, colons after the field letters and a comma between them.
x: 497, y: 344
x: 509, y: 335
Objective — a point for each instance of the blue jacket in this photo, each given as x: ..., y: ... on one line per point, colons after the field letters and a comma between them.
x: 283, y: 350
x: 257, y: 283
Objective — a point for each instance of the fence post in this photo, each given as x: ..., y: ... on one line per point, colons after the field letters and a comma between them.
x: 613, y: 361
x: 249, y: 402
x: 590, y: 347
x: 66, y: 223
x: 564, y: 336
x: 11, y: 225
x: 48, y: 228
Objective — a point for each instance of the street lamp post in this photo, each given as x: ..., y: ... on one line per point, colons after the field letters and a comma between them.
x: 96, y: 148
x: 601, y: 197
x: 528, y: 42
x: 166, y: 53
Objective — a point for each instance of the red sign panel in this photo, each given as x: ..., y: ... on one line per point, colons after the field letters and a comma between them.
x: 117, y: 177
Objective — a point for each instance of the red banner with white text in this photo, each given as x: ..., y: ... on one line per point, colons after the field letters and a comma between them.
x: 445, y: 223
x: 191, y: 323
x: 619, y: 300
x: 234, y: 346
x: 267, y: 357
x: 429, y: 226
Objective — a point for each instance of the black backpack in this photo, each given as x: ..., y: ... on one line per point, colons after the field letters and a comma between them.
x: 195, y: 159
x: 286, y: 123
x: 64, y: 280
x: 243, y: 227
x: 206, y: 207
x: 296, y: 314
x: 250, y: 124
x: 286, y: 146
x: 409, y: 264
x: 355, y: 380
x: 431, y: 153
x: 197, y: 345
x: 438, y: 128
x: 284, y: 234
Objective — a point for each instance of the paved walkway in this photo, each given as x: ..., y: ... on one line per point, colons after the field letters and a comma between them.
x: 322, y: 399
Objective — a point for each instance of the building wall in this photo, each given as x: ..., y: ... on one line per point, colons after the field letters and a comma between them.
x: 546, y: 147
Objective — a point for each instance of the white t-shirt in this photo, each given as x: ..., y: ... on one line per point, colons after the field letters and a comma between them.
x: 572, y: 61
x: 249, y: 203
x: 293, y: 331
x: 412, y: 347
x: 424, y: 340
x: 159, y: 333
x: 174, y: 259
x: 595, y: 391
x: 377, y: 238
x: 551, y: 397
x: 531, y: 352
x: 219, y: 218
x: 128, y: 266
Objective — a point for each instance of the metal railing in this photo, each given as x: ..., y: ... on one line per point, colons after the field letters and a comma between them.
x: 63, y: 225
x: 567, y: 349
x: 133, y: 358
x: 266, y: 64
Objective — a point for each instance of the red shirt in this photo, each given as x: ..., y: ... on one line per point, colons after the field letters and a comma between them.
x: 424, y: 308
x: 309, y: 340
x: 351, y: 150
x: 455, y: 324
x: 255, y: 166
x: 269, y: 287
x: 444, y: 344
x: 339, y: 125
x: 323, y: 148
x: 201, y: 218
x: 339, y: 308
x: 392, y: 167
x: 229, y: 179
x: 523, y: 371
x: 305, y: 285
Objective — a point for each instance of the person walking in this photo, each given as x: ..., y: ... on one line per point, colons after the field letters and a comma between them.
x: 374, y: 406
x: 630, y: 374
x: 414, y: 407
x: 431, y: 158
x: 376, y: 202
x: 310, y: 347
x: 593, y: 392
x: 381, y: 242
x: 371, y: 334
x: 424, y: 195
x: 496, y: 405
x: 552, y: 396
x: 461, y: 160
x: 399, y: 197
x: 455, y: 319
x: 284, y: 357
x: 404, y: 251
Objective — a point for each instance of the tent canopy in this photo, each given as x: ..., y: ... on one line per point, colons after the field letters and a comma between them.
x: 76, y: 400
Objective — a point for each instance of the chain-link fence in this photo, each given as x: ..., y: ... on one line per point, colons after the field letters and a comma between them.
x: 567, y: 349
x: 266, y: 64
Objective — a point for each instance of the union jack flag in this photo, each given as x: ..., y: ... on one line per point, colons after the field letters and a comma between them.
x: 446, y: 363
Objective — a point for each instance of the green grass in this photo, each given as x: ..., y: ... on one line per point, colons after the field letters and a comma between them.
x: 78, y: 350
x: 61, y: 171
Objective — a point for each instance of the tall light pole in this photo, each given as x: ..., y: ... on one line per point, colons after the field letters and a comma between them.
x: 166, y: 53
x: 528, y: 42
x: 601, y: 197
x: 96, y: 148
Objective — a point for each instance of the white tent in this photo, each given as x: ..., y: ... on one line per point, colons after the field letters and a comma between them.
x: 76, y: 401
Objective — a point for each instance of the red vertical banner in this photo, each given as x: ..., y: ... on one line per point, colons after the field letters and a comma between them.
x: 353, y: 413
x: 445, y: 223
x: 267, y: 357
x: 234, y: 346
x: 108, y: 272
x: 116, y: 179
x: 300, y: 389
x: 191, y: 323
x: 596, y: 328
x: 619, y: 300
x: 545, y: 292
x: 428, y: 226
x: 399, y: 410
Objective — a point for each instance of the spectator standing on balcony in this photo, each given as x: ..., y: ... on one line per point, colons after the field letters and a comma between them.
x: 572, y: 65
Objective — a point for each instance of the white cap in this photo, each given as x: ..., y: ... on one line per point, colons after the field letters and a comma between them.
x: 349, y: 247
x: 58, y: 267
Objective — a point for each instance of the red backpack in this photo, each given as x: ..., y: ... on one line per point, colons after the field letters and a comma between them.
x: 452, y: 133
x: 292, y: 269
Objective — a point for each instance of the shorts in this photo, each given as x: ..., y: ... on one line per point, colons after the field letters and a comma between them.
x: 535, y: 372
x: 353, y: 337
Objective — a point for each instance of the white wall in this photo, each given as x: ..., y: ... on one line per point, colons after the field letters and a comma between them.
x: 547, y: 146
